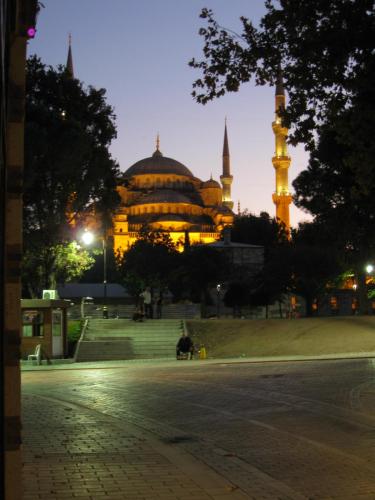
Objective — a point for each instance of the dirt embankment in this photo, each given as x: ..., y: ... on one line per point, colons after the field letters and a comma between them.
x: 306, y: 336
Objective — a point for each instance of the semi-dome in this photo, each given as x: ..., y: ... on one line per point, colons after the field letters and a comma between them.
x: 163, y: 196
x: 211, y: 184
x: 157, y: 164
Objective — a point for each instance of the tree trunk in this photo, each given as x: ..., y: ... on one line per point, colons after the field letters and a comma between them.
x: 308, y: 300
x: 280, y: 309
x: 203, y: 304
x: 362, y: 293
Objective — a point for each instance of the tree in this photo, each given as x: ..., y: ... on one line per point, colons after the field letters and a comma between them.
x: 332, y: 190
x: 258, y: 230
x: 271, y: 282
x: 325, y: 49
x: 203, y: 267
x: 313, y: 270
x: 237, y: 296
x: 96, y: 273
x: 150, y: 261
x: 64, y: 262
x: 328, y: 63
x: 274, y: 281
x: 69, y: 172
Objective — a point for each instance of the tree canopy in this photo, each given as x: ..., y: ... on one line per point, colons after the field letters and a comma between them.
x: 325, y: 50
x: 151, y: 261
x: 69, y: 171
x: 258, y: 230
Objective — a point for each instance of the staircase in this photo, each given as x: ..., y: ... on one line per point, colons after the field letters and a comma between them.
x: 115, y: 339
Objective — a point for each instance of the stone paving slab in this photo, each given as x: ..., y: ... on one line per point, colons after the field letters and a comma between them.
x: 70, y: 452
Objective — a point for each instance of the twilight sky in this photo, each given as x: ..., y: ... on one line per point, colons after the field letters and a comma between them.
x: 139, y: 51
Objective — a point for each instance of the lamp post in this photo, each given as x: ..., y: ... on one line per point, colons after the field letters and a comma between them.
x: 88, y: 238
x: 218, y: 290
x: 105, y: 310
x: 83, y: 306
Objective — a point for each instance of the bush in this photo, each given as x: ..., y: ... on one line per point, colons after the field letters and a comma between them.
x: 74, y: 333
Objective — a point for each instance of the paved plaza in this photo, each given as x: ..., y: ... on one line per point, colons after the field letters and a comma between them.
x: 200, y: 430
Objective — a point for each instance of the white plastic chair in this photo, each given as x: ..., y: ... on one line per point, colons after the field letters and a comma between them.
x: 37, y: 356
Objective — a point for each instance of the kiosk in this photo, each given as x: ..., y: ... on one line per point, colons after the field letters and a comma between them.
x: 44, y: 322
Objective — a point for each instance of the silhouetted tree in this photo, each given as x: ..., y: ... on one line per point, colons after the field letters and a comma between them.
x: 237, y: 296
x: 150, y: 261
x: 204, y: 267
x: 332, y: 189
x: 68, y: 168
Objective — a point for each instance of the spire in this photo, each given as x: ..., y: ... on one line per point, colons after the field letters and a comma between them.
x: 226, y: 178
x: 226, y: 157
x: 279, y: 90
x: 225, y: 146
x: 69, y: 62
x: 157, y: 151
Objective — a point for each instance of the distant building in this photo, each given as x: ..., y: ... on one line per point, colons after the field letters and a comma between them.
x: 243, y: 255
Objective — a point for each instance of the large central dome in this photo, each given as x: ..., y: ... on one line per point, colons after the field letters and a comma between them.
x: 157, y: 164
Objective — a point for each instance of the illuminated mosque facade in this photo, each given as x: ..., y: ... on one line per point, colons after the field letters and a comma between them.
x: 162, y: 194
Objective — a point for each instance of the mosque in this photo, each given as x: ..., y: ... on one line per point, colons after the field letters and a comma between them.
x: 162, y: 194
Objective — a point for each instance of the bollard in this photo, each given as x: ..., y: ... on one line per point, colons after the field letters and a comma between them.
x: 202, y: 353
x: 105, y: 312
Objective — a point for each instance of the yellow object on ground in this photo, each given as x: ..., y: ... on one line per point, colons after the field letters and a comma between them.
x: 202, y: 353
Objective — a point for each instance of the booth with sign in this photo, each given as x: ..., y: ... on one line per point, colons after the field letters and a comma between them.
x: 44, y: 323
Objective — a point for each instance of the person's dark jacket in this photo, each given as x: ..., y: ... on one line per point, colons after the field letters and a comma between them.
x: 185, y: 344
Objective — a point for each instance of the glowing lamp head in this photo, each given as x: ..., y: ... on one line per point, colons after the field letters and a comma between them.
x: 31, y: 32
x: 369, y: 268
x: 87, y: 238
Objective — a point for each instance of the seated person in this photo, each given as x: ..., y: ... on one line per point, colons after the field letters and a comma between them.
x: 138, y: 315
x: 185, y: 346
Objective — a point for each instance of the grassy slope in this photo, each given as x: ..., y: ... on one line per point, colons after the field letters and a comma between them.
x: 307, y: 336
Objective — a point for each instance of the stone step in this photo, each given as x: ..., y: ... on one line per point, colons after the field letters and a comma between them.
x: 120, y: 339
x: 169, y: 311
x: 123, y: 324
x: 97, y: 351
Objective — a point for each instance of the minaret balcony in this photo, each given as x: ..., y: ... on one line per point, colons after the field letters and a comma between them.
x: 281, y: 161
x: 282, y: 198
x: 278, y: 129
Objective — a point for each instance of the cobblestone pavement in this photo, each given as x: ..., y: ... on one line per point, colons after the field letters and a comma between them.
x: 179, y: 430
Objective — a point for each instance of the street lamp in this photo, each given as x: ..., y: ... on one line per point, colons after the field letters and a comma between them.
x: 369, y: 268
x: 87, y: 238
x: 218, y: 290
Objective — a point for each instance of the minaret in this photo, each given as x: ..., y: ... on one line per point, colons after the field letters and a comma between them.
x: 69, y: 62
x: 281, y: 161
x: 226, y: 179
